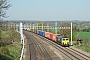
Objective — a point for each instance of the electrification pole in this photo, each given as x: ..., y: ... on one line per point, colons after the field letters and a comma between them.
x: 47, y: 27
x: 71, y: 33
x: 30, y: 27
x: 42, y: 26
x: 56, y: 27
x: 37, y: 26
x: 33, y: 27
x: 21, y: 32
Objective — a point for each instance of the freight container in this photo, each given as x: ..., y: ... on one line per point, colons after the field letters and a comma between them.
x: 38, y: 31
x: 51, y: 35
x: 54, y: 37
x: 43, y: 33
x: 47, y: 34
x: 28, y: 29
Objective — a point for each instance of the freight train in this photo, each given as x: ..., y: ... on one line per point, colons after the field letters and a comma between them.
x: 62, y: 40
x: 59, y: 39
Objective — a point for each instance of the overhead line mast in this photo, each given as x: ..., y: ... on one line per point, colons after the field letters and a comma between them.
x: 71, y: 33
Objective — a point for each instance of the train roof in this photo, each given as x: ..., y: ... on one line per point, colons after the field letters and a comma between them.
x: 60, y: 36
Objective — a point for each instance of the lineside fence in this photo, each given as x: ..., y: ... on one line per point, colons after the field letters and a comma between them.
x: 19, y: 29
x: 22, y: 40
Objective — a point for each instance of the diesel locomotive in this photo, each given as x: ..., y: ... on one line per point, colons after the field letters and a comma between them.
x: 62, y: 40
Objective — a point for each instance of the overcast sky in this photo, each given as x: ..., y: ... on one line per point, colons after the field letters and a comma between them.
x: 49, y: 10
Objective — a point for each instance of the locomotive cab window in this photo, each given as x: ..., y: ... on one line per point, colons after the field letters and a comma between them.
x: 58, y: 39
x: 63, y: 39
x: 66, y: 39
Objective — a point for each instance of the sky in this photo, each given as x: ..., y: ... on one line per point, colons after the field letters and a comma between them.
x: 49, y: 10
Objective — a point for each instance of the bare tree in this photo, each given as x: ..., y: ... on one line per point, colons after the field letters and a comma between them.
x: 65, y: 31
x: 3, y: 7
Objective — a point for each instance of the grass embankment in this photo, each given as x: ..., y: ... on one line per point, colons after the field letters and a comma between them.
x: 10, y: 50
x: 86, y: 41
x: 84, y: 36
x: 84, y: 48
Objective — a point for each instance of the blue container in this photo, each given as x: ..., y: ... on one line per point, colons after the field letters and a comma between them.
x: 40, y: 32
x: 43, y: 33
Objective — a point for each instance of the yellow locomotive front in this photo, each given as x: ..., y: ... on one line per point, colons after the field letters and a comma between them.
x: 65, y: 41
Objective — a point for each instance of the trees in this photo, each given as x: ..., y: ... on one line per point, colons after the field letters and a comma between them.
x: 67, y: 32
x: 3, y: 7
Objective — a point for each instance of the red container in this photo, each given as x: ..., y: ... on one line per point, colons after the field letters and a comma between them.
x: 47, y: 34
x: 54, y: 37
x: 50, y: 35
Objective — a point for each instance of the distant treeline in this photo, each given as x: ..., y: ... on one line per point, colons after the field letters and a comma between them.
x: 83, y: 30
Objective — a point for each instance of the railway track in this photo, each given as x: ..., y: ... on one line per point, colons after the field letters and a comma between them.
x: 78, y: 54
x: 52, y: 57
x: 44, y: 54
x: 31, y: 49
x: 69, y: 52
x: 38, y: 49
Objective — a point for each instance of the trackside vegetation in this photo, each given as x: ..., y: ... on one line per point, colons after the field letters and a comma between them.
x: 85, y: 46
x: 10, y: 47
x: 84, y: 36
x: 10, y: 52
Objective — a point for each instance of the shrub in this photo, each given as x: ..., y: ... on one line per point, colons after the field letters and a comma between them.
x: 5, y: 50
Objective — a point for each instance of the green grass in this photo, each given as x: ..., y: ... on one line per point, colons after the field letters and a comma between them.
x: 7, y: 34
x: 84, y: 48
x: 11, y: 52
x: 84, y: 35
